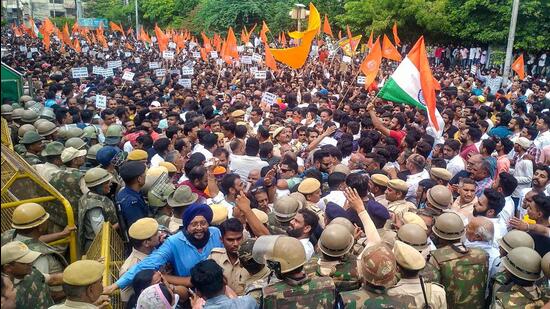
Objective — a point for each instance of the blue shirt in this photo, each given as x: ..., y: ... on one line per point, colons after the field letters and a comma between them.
x: 132, y: 205
x: 179, y: 252
x: 222, y: 302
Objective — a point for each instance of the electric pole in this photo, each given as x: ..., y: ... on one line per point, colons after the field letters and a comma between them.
x: 510, y: 46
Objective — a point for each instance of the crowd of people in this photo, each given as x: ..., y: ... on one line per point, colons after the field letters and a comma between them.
x: 325, y: 197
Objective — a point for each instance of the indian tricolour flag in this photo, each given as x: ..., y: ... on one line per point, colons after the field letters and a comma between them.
x: 34, y: 29
x: 413, y: 83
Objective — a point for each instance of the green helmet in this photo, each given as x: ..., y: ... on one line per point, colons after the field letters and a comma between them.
x: 245, y: 250
x: 96, y: 176
x: 289, y: 252
x: 523, y: 263
x: 285, y: 208
x: 30, y: 137
x: 38, y: 121
x: 20, y: 149
x: 343, y: 222
x: 48, y: 114
x: 93, y: 151
x: 448, y: 226
x: 7, y: 109
x: 75, y: 142
x: 17, y: 113
x: 24, y: 129
x: 114, y: 130
x: 515, y: 239
x: 545, y: 264
x: 160, y: 201
x: 24, y: 98
x: 90, y: 132
x: 75, y: 132
x: 34, y: 106
x: 413, y: 235
x: 46, y: 127
x: 53, y: 149
x: 336, y: 240
x: 29, y: 116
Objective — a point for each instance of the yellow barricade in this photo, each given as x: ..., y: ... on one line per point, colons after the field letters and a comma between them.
x: 21, y: 184
x: 108, y: 247
x: 6, y: 134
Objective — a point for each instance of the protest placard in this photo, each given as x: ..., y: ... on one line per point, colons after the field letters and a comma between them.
x: 101, y: 101
x: 185, y: 82
x: 175, y: 71
x: 214, y: 54
x: 346, y: 59
x: 114, y: 64
x: 160, y: 72
x: 168, y: 54
x: 361, y: 80
x: 196, y: 55
x: 246, y: 59
x: 129, y: 76
x: 257, y: 57
x: 172, y: 45
x: 253, y: 70
x: 154, y: 65
x: 269, y: 98
x: 260, y: 75
x: 187, y: 71
x: 79, y: 72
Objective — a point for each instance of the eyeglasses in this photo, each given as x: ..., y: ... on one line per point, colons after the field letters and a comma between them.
x: 197, y: 224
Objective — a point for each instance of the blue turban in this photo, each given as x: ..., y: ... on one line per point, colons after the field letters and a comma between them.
x: 197, y: 209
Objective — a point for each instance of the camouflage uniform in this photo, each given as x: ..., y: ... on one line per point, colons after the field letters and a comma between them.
x: 368, y: 297
x: 318, y: 211
x: 344, y: 273
x: 430, y: 273
x: 515, y: 296
x: 86, y: 203
x: 500, y: 279
x: 162, y: 219
x: 255, y: 283
x: 463, y: 273
x: 32, y: 291
x: 276, y: 227
x: 68, y: 183
x: 31, y: 158
x: 310, y: 293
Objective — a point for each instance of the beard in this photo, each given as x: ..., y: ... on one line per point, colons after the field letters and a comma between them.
x: 479, y: 213
x: 296, y: 233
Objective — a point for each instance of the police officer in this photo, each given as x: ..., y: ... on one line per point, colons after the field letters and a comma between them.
x: 52, y: 155
x: 311, y: 189
x: 410, y: 263
x: 30, y: 284
x: 82, y: 283
x: 286, y: 257
x: 158, y: 200
x: 131, y: 203
x: 29, y: 223
x: 111, y: 158
x: 395, y: 194
x: 94, y: 208
x: 113, y: 135
x: 524, y: 266
x: 438, y: 199
x: 178, y: 202
x: 451, y: 257
x: 440, y: 175
x: 75, y: 142
x: 284, y: 209
x: 34, y: 146
x: 91, y: 160
x: 258, y: 272
x: 415, y: 236
x: 144, y: 237
x: 48, y: 130
x: 336, y: 261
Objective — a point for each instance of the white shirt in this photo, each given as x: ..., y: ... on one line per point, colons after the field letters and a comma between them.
x: 542, y: 140
x: 308, y: 246
x: 412, y: 181
x: 336, y: 197
x: 220, y: 200
x: 242, y: 165
x: 200, y: 148
x: 128, y: 146
x: 508, y: 211
x: 156, y: 159
x: 500, y: 230
x: 455, y: 165
x: 328, y: 141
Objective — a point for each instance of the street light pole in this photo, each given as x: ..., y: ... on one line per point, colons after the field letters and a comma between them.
x: 137, y: 18
x: 510, y: 46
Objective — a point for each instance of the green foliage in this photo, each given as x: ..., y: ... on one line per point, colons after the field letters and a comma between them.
x: 113, y: 10
x: 60, y: 22
x: 4, y: 22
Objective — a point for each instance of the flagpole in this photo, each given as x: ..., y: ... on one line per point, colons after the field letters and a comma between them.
x: 347, y: 90
x: 510, y: 46
x: 137, y: 17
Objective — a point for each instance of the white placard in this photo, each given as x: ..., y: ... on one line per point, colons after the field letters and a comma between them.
x: 187, y: 71
x: 168, y: 54
x: 172, y: 45
x: 29, y: 55
x: 269, y: 98
x: 257, y: 57
x: 361, y: 80
x: 473, y: 69
x: 214, y: 54
x: 246, y: 59
x: 107, y: 72
x: 219, y: 61
x: 114, y: 64
x: 192, y: 45
x: 137, y: 60
x: 185, y: 82
x: 80, y: 72
x: 346, y: 59
x: 196, y: 55
x: 105, y: 49
x: 101, y: 101
x: 129, y: 76
x: 154, y: 65
x: 23, y: 48
x: 96, y: 70
x: 34, y: 50
x: 253, y: 70
x: 175, y: 71
x: 240, y: 48
x: 85, y: 49
x: 127, y: 54
x: 160, y: 72
x: 260, y: 75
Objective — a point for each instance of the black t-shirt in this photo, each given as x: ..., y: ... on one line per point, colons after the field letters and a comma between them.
x: 542, y: 243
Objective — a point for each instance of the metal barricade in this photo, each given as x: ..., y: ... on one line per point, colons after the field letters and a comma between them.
x: 21, y: 184
x: 6, y: 134
x: 108, y: 247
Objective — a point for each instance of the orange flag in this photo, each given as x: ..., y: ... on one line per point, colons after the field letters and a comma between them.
x: 66, y: 37
x: 339, y: 34
x: 395, y: 37
x: 519, y: 67
x: 75, y: 28
x: 144, y: 37
x: 206, y: 42
x: 231, y: 45
x: 279, y: 39
x: 162, y: 39
x: 16, y: 31
x: 283, y: 39
x: 77, y: 47
x: 115, y: 27
x: 295, y: 57
x: 269, y: 60
x: 326, y: 27
x: 128, y: 46
x: 203, y: 55
x: 370, y: 45
x: 263, y: 32
x: 31, y: 29
x: 243, y: 35
x: 351, y: 42
x: 371, y: 63
x: 249, y: 33
x: 389, y: 51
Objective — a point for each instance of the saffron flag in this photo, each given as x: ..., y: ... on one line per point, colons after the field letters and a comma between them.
x: 144, y: 37
x: 75, y: 28
x: 350, y: 38
x: 65, y: 36
x: 412, y: 83
x: 269, y: 60
x: 295, y: 57
x: 33, y: 30
x: 389, y: 51
x: 206, y: 42
x: 231, y: 42
x: 77, y: 47
x: 283, y: 39
x: 346, y: 46
x: 371, y: 63
x: 263, y: 32
x: 115, y: 27
x: 395, y: 37
x: 162, y: 39
x: 243, y: 35
x: 519, y: 67
x: 326, y: 27
x: 339, y: 34
x: 370, y: 45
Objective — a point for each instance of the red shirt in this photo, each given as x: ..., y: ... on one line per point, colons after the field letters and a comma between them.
x: 398, y: 136
x: 467, y: 150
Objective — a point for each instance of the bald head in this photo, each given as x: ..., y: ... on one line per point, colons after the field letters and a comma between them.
x: 480, y: 229
x: 473, y: 161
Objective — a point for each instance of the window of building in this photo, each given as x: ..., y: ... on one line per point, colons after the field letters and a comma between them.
x: 57, y: 14
x: 56, y: 1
